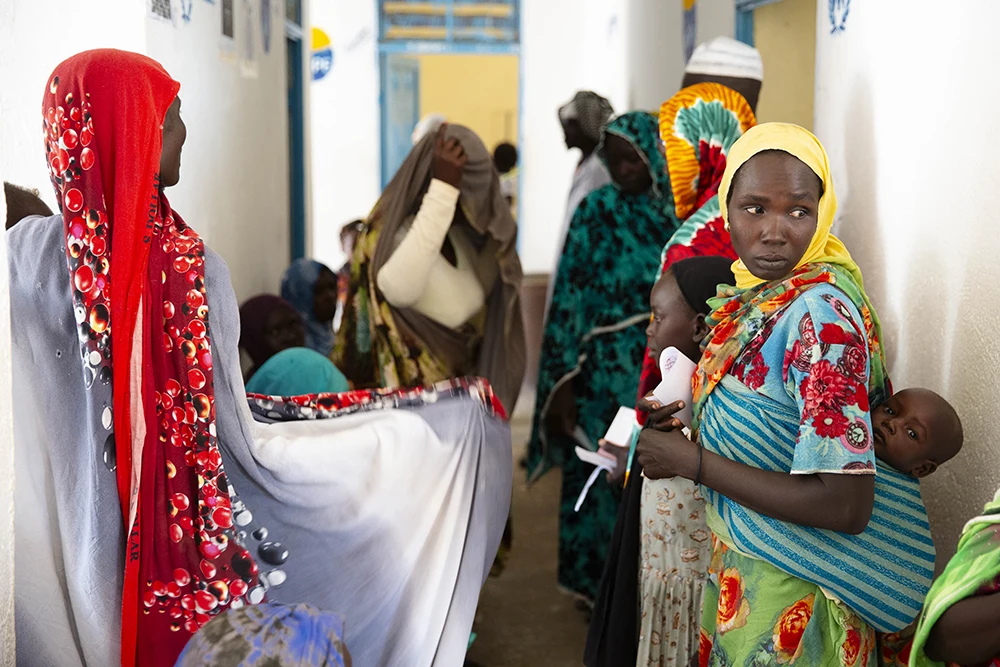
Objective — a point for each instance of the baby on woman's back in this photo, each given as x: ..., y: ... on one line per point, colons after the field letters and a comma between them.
x: 915, y: 431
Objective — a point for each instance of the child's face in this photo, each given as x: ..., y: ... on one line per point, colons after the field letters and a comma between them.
x: 773, y: 213
x: 673, y: 322
x: 915, y: 431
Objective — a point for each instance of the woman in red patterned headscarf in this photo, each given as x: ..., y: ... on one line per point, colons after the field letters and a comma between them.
x: 149, y: 499
x: 113, y: 139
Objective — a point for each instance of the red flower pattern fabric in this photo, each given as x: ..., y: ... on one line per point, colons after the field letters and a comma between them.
x: 825, y: 374
x: 328, y: 406
x: 138, y: 273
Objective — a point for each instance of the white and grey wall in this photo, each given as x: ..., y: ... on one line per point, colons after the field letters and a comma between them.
x: 234, y: 177
x: 907, y: 110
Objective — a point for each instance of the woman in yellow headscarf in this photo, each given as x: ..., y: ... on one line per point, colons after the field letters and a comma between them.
x: 785, y: 442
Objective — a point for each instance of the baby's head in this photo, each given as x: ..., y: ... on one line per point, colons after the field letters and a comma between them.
x: 915, y: 431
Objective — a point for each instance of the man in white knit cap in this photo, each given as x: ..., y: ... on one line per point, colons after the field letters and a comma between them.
x: 725, y: 61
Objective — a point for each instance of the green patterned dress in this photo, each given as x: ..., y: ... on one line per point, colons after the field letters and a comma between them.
x: 595, y: 337
x: 973, y: 570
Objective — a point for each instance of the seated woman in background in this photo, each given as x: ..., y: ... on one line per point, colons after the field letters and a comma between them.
x: 268, y: 325
x: 311, y: 288
x: 151, y: 449
x: 297, y: 371
x: 435, y: 282
x: 21, y: 203
x: 594, y: 336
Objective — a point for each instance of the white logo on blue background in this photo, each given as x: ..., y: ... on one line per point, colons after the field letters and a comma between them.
x: 839, y: 9
x: 322, y: 63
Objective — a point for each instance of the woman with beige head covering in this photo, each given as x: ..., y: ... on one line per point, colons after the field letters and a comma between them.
x: 435, y: 278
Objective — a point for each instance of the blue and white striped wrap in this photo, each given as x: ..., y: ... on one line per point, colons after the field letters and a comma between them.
x: 883, y: 574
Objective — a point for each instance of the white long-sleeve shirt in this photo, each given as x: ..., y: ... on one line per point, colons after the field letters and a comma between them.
x: 417, y: 275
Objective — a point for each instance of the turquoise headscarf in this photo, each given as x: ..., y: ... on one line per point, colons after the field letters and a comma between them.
x: 297, y: 371
x: 642, y: 130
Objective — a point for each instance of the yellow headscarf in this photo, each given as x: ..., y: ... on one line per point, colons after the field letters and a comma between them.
x: 800, y: 142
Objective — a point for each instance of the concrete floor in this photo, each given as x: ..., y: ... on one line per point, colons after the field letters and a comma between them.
x: 523, y: 619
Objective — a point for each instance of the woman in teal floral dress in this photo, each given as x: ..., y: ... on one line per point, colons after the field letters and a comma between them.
x: 594, y: 336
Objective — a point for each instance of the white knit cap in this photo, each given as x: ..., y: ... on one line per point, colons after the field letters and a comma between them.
x: 724, y: 56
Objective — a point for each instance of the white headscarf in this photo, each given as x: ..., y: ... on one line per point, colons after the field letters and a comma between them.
x: 724, y: 56
x: 427, y: 125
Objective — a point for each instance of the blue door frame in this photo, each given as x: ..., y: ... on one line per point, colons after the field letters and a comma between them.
x: 744, y: 18
x: 399, y: 101
x: 296, y: 143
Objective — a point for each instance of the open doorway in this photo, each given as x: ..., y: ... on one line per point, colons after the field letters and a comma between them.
x: 456, y: 58
x: 480, y: 91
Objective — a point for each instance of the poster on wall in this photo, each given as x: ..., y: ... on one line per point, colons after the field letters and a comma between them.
x: 248, y: 52
x: 228, y: 20
x: 160, y: 10
x: 690, y: 27
x: 265, y: 26
x: 227, y: 41
x: 321, y: 61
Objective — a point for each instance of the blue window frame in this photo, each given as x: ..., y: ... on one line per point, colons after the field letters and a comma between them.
x: 449, y: 21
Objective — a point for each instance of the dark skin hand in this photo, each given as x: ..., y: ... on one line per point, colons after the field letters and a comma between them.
x: 449, y: 159
x: 561, y: 417
x: 447, y: 165
x: 838, y: 502
x: 619, y: 455
x: 967, y: 633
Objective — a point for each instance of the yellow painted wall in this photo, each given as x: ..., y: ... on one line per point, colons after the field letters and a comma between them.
x: 479, y: 91
x: 785, y: 35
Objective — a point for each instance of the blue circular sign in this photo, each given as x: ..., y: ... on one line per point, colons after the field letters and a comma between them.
x: 322, y: 63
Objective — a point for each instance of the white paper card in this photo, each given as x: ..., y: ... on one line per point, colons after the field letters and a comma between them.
x: 620, y: 431
x: 602, y: 462
x: 676, y: 371
x: 596, y: 459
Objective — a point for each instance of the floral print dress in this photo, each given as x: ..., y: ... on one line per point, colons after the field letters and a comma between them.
x: 675, y: 552
x: 756, y: 614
